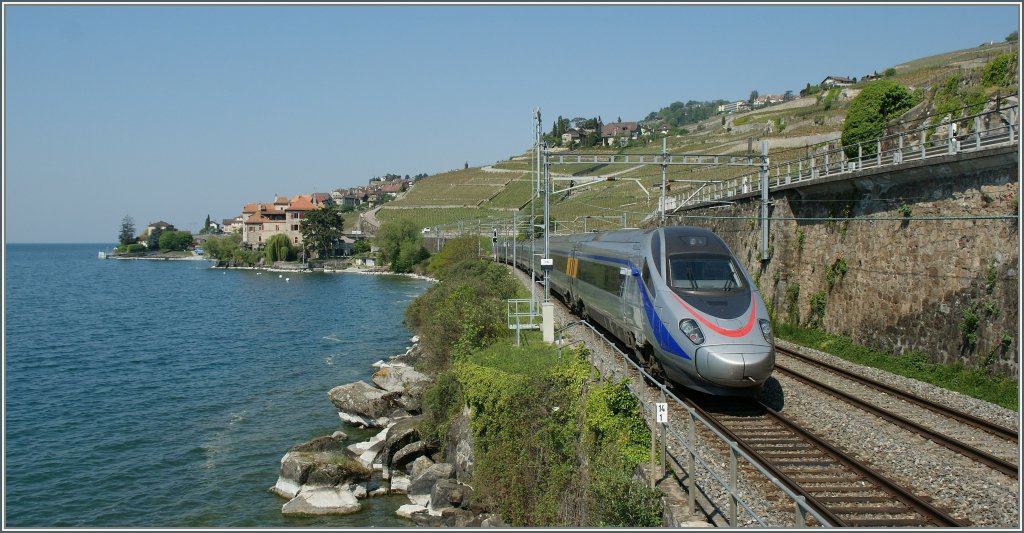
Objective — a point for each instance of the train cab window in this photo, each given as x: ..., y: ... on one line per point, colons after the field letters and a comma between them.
x: 704, y: 272
x: 648, y: 281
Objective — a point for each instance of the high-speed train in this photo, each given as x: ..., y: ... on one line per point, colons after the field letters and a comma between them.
x: 676, y: 296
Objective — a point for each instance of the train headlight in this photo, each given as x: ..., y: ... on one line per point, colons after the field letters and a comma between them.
x: 766, y: 330
x: 691, y: 330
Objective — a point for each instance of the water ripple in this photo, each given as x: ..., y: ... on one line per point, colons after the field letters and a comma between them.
x: 159, y: 394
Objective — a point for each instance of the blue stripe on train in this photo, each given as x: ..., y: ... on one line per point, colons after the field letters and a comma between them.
x: 661, y: 334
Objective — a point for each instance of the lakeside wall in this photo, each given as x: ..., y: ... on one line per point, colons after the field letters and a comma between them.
x: 910, y: 284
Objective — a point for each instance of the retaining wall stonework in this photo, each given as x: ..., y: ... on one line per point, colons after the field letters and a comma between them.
x: 908, y: 283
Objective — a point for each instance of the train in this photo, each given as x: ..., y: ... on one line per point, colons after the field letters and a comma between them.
x: 676, y: 296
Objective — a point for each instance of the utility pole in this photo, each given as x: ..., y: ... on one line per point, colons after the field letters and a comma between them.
x: 664, y: 176
x: 547, y: 308
x: 764, y: 200
x: 533, y: 216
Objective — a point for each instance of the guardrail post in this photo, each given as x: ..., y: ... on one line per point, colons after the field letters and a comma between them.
x: 878, y: 152
x: 664, y: 438
x: 977, y: 133
x: 733, y: 484
x: 1013, y: 120
x: 691, y: 466
x: 654, y: 447
x: 800, y: 516
x: 899, y: 155
x: 924, y: 148
x: 860, y: 154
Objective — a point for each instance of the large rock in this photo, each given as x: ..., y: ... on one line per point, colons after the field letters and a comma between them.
x: 322, y: 461
x: 362, y: 404
x: 400, y: 435
x: 408, y: 454
x: 461, y: 455
x: 450, y: 493
x: 407, y: 510
x: 405, y: 381
x: 421, y: 487
x: 322, y: 500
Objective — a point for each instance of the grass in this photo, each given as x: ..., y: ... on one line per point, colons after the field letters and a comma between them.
x: 973, y: 382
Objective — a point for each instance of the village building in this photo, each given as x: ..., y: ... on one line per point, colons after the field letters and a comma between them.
x: 619, y: 131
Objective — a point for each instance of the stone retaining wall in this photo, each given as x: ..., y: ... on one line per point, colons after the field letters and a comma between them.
x: 910, y: 284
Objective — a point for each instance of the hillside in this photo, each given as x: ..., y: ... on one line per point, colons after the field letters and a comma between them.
x: 792, y: 130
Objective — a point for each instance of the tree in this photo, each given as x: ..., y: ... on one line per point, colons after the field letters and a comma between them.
x: 175, y: 240
x: 206, y: 226
x: 361, y: 246
x: 753, y: 96
x: 153, y: 241
x: 278, y: 248
x: 321, y: 229
x: 889, y: 72
x: 401, y: 245
x: 788, y: 96
x: 870, y: 111
x: 127, y: 234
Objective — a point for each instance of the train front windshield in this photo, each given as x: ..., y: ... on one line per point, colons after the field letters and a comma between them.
x: 704, y: 272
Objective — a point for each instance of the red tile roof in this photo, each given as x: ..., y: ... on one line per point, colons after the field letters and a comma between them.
x: 300, y: 203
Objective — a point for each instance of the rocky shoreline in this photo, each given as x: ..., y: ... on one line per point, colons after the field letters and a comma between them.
x: 329, y: 475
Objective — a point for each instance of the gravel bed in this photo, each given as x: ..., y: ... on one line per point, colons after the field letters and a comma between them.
x: 967, y: 490
x: 976, y: 438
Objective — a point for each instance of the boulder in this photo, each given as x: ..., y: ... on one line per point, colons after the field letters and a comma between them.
x: 407, y: 510
x: 320, y: 462
x: 404, y: 380
x: 333, y: 443
x: 461, y: 455
x: 335, y: 469
x: 362, y: 404
x: 322, y: 500
x: 408, y: 454
x: 459, y: 518
x: 450, y: 493
x: 419, y: 465
x: 420, y: 488
x: 399, y: 484
x: 400, y: 434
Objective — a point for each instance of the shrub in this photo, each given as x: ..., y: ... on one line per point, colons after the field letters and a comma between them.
x: 816, y: 317
x: 1000, y: 71
x: 870, y: 110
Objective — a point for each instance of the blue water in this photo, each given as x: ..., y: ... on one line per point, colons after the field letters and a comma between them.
x: 164, y: 393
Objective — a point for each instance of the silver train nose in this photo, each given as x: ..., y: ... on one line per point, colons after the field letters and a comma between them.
x: 735, y: 365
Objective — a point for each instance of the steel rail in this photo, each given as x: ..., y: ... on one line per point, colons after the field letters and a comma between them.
x: 969, y: 419
x: 963, y: 449
x: 925, y: 509
x: 828, y: 507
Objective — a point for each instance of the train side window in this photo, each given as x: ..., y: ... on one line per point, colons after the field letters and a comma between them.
x: 646, y: 275
x: 656, y: 249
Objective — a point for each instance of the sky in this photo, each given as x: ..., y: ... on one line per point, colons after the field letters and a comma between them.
x: 176, y: 112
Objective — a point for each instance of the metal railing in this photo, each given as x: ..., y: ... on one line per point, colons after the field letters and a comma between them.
x: 685, y: 436
x: 520, y: 318
x: 981, y: 131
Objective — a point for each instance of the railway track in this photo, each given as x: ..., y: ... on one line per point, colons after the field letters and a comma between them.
x: 992, y: 461
x: 843, y: 490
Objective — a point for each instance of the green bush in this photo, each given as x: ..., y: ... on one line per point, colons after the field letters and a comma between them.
x: 464, y: 312
x: 1000, y: 72
x: 175, y: 240
x: 869, y: 111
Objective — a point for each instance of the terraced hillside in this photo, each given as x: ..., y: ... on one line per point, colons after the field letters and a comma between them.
x: 616, y: 195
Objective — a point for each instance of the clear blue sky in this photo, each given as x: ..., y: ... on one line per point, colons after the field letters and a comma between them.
x: 175, y: 112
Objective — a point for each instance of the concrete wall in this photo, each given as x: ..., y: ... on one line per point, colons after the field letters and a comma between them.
x: 908, y: 283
